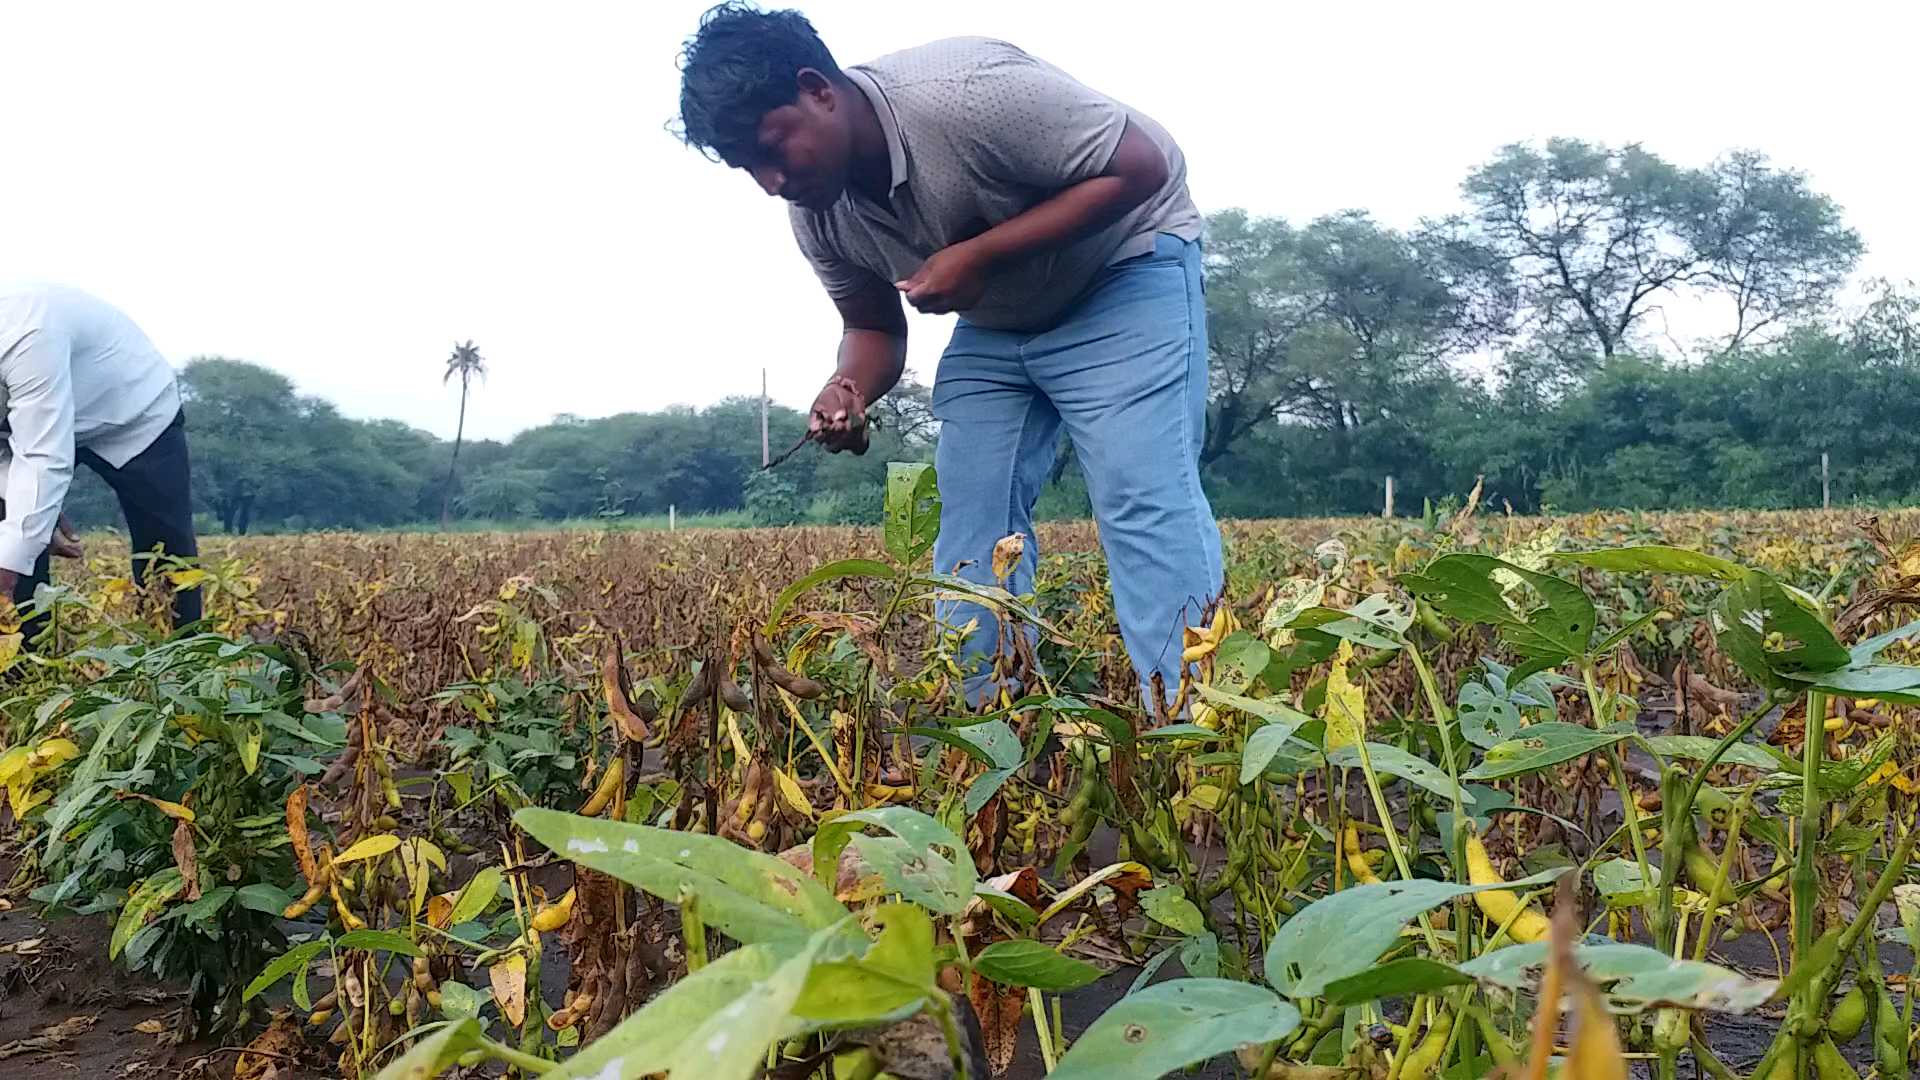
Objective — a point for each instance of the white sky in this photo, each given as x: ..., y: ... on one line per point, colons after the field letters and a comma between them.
x: 341, y: 191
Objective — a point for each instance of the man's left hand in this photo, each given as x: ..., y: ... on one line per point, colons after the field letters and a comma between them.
x: 954, y: 279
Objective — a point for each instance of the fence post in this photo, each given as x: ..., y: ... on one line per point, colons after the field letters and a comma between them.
x: 1826, y: 489
x: 670, y: 522
x: 1388, y: 512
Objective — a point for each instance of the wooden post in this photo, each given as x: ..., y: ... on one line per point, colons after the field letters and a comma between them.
x: 765, y: 454
x: 1388, y: 512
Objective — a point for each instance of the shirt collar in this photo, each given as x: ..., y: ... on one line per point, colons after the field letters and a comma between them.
x: 889, y: 125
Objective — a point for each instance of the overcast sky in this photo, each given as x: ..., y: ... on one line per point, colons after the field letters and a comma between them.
x: 342, y: 191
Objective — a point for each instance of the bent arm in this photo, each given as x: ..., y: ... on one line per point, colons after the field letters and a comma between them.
x: 1136, y: 170
x: 873, y: 339
x: 39, y: 381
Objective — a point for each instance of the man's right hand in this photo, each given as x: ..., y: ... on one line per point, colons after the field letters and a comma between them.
x: 838, y: 419
x: 66, y: 541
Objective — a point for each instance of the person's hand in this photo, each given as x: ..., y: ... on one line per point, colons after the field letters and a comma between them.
x: 66, y: 542
x: 838, y: 419
x: 8, y: 579
x: 954, y: 279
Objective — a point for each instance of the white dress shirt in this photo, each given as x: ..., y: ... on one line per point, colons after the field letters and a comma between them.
x: 74, y: 372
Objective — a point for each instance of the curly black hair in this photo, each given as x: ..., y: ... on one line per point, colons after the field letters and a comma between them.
x: 740, y: 65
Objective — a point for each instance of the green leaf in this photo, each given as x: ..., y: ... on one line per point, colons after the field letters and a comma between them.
x: 1395, y: 978
x: 1640, y: 977
x: 912, y: 512
x: 1766, y: 631
x: 296, y: 958
x: 458, y: 1000
x: 1169, y: 906
x: 1476, y: 588
x: 1174, y: 1024
x: 1342, y: 934
x: 1393, y: 761
x: 912, y: 861
x: 714, y: 1024
x: 1542, y: 746
x: 1264, y: 743
x: 1619, y: 881
x: 1866, y: 652
x: 80, y: 789
x: 1009, y: 906
x: 1486, y: 718
x: 1239, y: 660
x: 1024, y: 962
x: 204, y: 908
x: 434, y: 1054
x: 748, y: 895
x: 263, y: 897
x: 1180, y: 731
x: 1892, y: 682
x: 1653, y: 559
x: 143, y: 904
x: 833, y: 571
x: 378, y: 941
x: 477, y: 895
x: 1699, y: 748
x: 1200, y: 955
x: 891, y: 982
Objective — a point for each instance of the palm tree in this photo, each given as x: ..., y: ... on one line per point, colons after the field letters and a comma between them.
x: 466, y: 363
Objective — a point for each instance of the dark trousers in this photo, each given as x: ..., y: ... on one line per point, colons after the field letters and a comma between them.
x: 156, y: 495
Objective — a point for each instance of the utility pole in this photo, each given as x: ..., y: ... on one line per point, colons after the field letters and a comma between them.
x: 766, y: 454
x: 1826, y: 490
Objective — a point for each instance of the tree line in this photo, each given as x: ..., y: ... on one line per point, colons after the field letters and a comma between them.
x: 1527, y: 339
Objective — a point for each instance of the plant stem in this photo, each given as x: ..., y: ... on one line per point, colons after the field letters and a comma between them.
x: 1039, y: 1003
x: 694, y: 929
x: 516, y: 1058
x: 1806, y: 883
x: 1629, y: 809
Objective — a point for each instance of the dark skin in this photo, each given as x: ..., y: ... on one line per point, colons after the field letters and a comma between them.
x: 829, y: 142
x: 65, y: 545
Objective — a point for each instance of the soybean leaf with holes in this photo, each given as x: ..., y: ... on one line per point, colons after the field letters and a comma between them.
x: 1174, y: 1024
x: 1542, y: 746
x: 748, y: 895
x: 1486, y: 718
x: 1640, y: 977
x: 1393, y: 761
x: 911, y: 861
x: 1653, y: 559
x: 1768, y: 633
x: 1866, y: 652
x: 1619, y: 881
x: 1407, y: 975
x: 912, y: 510
x: 1169, y: 906
x: 1239, y: 660
x: 1024, y: 962
x: 1477, y: 589
x: 1342, y: 934
x: 1200, y: 955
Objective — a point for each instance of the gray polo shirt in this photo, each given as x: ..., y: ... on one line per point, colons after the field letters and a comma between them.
x: 977, y: 132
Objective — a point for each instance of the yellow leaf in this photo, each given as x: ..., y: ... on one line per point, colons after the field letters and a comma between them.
x: 1006, y: 554
x: 791, y: 794
x: 1346, y: 708
x: 739, y: 744
x: 509, y: 979
x: 9, y: 649
x: 12, y: 762
x: 187, y: 579
x: 369, y: 848
x: 172, y: 809
x: 53, y: 753
x: 1910, y: 561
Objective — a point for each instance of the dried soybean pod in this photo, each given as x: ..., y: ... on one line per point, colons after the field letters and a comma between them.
x: 734, y: 697
x: 613, y: 680
x: 603, y: 793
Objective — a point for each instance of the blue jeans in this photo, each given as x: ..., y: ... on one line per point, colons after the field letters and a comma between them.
x: 1125, y: 370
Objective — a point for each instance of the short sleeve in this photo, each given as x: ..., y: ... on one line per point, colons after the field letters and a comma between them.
x: 841, y: 276
x: 1033, y: 124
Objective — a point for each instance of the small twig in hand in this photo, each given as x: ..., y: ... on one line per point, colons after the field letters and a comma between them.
x: 789, y: 452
